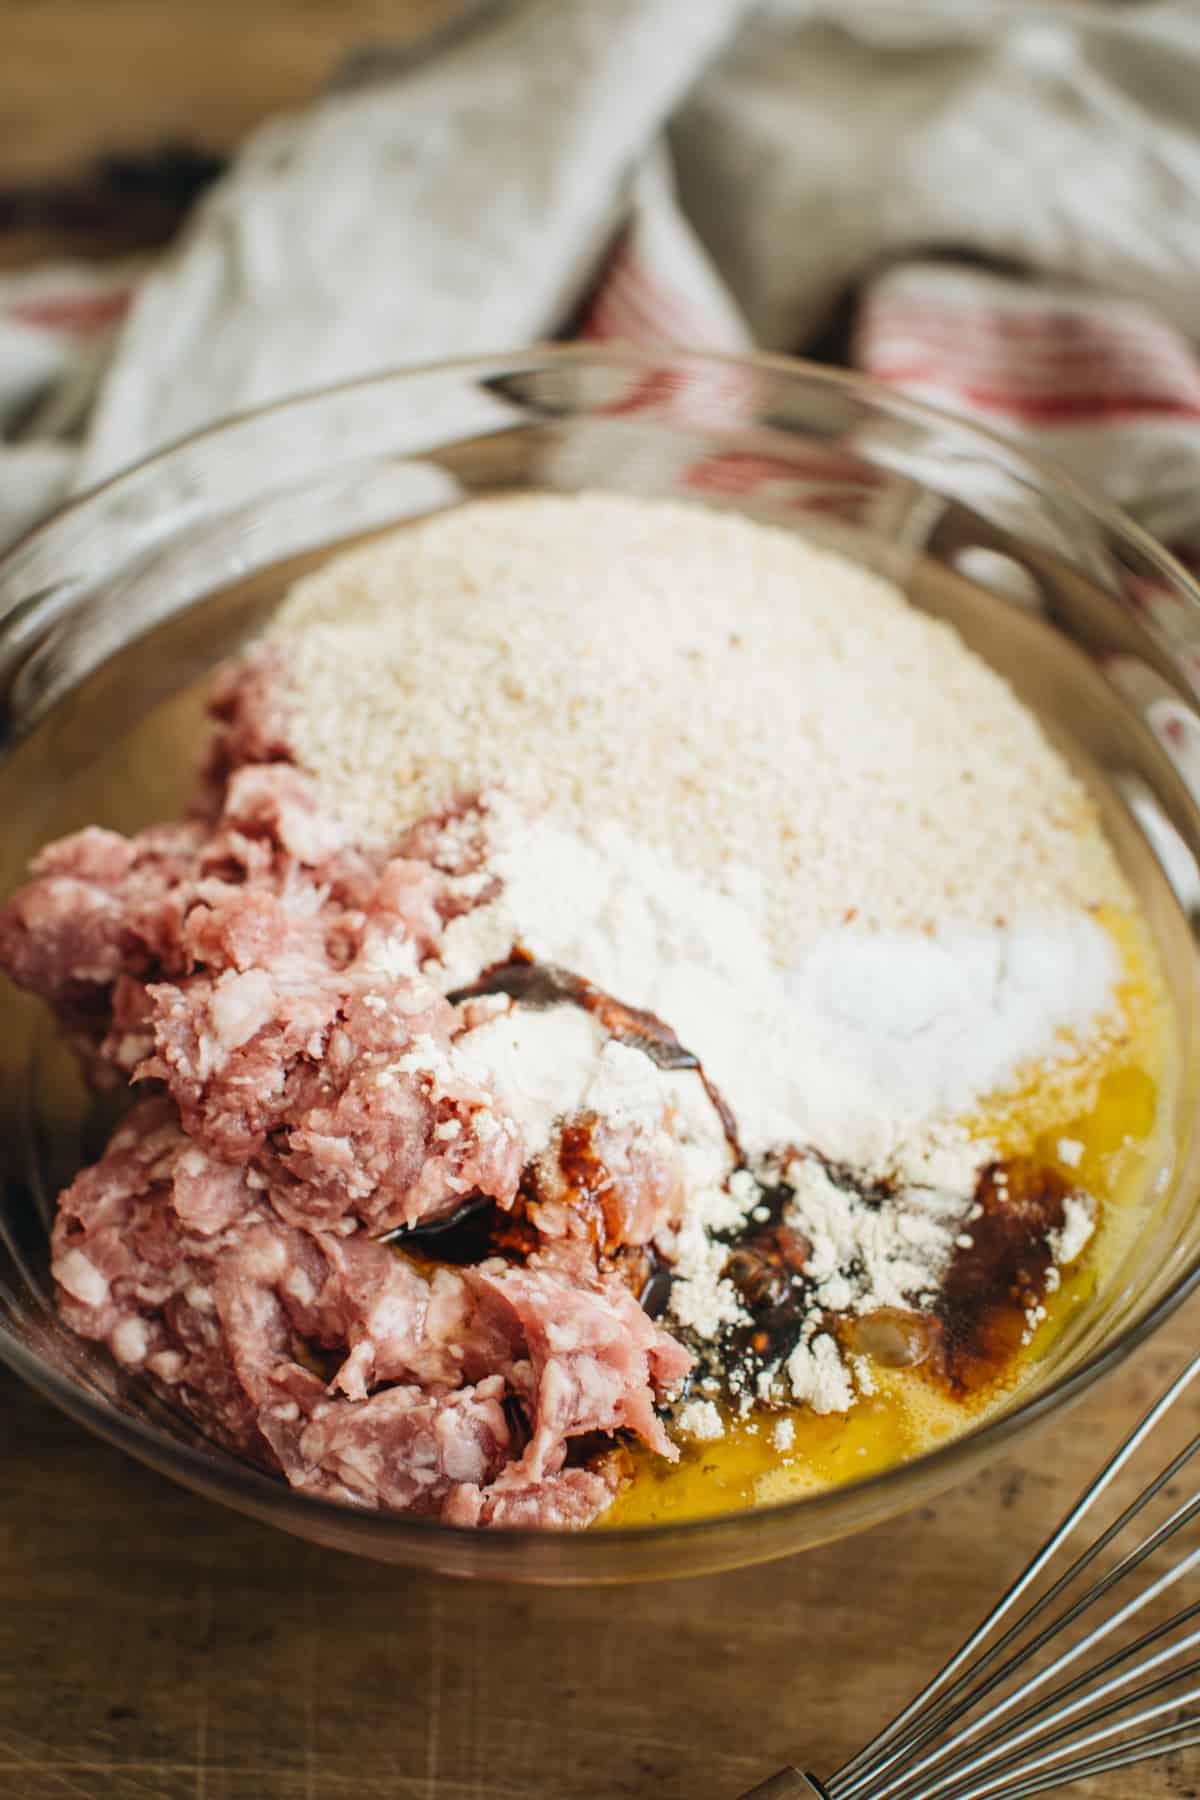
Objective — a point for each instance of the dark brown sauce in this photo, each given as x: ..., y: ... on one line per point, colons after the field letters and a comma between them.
x: 766, y: 1265
x: 999, y: 1277
x: 477, y: 1230
x: 967, y: 1341
x: 654, y: 1281
x: 589, y: 1183
x: 480, y: 1229
x: 764, y: 1269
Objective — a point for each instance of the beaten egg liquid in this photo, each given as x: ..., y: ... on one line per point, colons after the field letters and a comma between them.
x: 1114, y: 1100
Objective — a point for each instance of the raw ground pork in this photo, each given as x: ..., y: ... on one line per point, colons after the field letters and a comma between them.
x: 259, y: 978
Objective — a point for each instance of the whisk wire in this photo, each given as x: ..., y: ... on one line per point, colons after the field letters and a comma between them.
x: 1083, y: 1686
x: 1007, y: 1760
x: 972, y: 1673
x: 895, y: 1790
x: 1101, y: 1764
x: 947, y: 1710
x: 1046, y: 1771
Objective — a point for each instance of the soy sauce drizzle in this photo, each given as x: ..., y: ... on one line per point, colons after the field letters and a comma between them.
x: 997, y: 1276
x: 964, y: 1340
x: 477, y: 1229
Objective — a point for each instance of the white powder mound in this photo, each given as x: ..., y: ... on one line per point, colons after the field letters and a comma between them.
x: 865, y: 1257
x: 848, y: 1046
x: 553, y: 1064
x: 817, y: 1375
x: 1079, y: 1222
x: 735, y: 780
x: 700, y: 1419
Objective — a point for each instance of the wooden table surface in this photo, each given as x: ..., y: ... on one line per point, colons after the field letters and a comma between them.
x: 153, y: 1645
x: 81, y: 77
x: 85, y: 79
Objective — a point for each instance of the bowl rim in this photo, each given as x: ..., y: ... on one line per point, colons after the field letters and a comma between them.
x: 537, y: 355
x: 238, y: 1483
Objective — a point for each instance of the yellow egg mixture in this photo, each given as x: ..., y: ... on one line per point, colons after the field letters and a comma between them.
x: 1113, y: 1098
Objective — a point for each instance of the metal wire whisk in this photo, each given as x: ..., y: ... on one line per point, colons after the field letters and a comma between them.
x: 1028, y: 1706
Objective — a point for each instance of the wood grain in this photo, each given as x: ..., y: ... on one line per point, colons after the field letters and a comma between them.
x: 154, y: 1645
x: 85, y: 80
x: 82, y: 76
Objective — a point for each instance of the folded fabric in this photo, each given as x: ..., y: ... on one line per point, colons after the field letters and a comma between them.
x: 716, y: 175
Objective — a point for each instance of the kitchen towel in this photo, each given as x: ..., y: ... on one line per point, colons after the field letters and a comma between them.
x: 1011, y: 193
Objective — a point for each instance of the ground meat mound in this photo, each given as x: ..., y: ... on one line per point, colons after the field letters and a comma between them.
x: 259, y: 979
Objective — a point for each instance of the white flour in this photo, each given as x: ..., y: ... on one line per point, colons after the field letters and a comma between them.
x: 866, y: 1038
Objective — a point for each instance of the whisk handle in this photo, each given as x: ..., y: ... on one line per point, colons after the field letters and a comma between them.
x: 788, y: 1784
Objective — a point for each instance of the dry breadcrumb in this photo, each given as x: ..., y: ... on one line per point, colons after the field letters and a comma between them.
x: 730, y: 694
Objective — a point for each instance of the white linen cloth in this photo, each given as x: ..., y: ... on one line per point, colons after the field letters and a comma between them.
x: 715, y: 173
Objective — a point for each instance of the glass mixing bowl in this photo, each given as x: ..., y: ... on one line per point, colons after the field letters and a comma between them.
x: 112, y: 613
